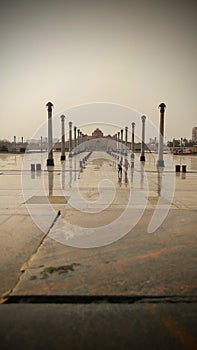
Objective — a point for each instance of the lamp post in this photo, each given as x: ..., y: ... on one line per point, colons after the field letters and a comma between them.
x: 63, y: 157
x: 142, y: 157
x: 50, y: 161
x: 160, y: 162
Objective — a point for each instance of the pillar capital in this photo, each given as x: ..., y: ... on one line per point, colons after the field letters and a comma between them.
x: 143, y: 117
x: 62, y: 117
x: 162, y: 107
x: 133, y: 124
x: 49, y: 106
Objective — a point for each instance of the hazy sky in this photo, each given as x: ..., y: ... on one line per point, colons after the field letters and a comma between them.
x: 135, y: 53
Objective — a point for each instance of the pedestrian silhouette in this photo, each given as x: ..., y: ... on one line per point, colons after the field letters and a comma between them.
x: 120, y: 168
x: 126, y: 165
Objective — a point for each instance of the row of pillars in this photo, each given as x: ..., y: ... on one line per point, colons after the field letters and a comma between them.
x: 78, y: 136
x: 22, y: 139
x: 118, y: 137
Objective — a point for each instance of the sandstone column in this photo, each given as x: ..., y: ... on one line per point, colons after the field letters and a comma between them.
x: 160, y: 162
x: 142, y: 157
x: 63, y: 157
x: 50, y: 161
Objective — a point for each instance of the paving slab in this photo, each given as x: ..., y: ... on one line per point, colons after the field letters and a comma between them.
x: 140, y: 263
x: 107, y: 326
x: 163, y: 263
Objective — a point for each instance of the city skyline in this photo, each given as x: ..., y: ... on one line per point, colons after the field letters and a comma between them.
x: 136, y: 54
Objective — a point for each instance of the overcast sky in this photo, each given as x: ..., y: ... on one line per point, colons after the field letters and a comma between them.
x: 134, y: 53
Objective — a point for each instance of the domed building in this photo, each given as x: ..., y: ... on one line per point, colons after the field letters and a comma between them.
x: 97, y: 141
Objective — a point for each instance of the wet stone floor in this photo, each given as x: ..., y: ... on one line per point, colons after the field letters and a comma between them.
x: 110, y: 257
x: 91, y: 232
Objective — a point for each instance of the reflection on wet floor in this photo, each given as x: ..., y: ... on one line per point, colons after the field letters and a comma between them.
x: 67, y: 177
x: 85, y: 185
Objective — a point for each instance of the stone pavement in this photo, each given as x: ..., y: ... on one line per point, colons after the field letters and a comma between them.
x: 160, y: 263
x: 98, y: 326
x: 145, y: 280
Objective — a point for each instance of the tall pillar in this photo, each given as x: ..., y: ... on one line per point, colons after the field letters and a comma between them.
x: 115, y: 137
x: 121, y: 135
x: 118, y: 140
x: 78, y: 137
x: 75, y: 139
x: 81, y: 140
x: 132, y: 140
x: 22, y: 139
x: 14, y: 143
x: 63, y: 157
x: 41, y: 143
x: 126, y: 139
x: 70, y: 139
x: 50, y: 161
x: 142, y: 157
x: 160, y: 161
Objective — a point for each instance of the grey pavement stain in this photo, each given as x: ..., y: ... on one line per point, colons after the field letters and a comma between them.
x: 47, y: 271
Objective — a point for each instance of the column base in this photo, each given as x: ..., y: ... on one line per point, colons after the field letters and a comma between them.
x: 50, y: 162
x: 142, y: 158
x: 160, y: 163
x: 62, y: 157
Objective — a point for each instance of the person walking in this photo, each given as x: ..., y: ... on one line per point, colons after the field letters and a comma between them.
x: 120, y: 168
x: 126, y: 165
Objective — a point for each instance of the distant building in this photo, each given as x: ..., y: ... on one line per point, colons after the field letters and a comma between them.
x: 97, y: 133
x: 194, y: 134
x: 97, y: 141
